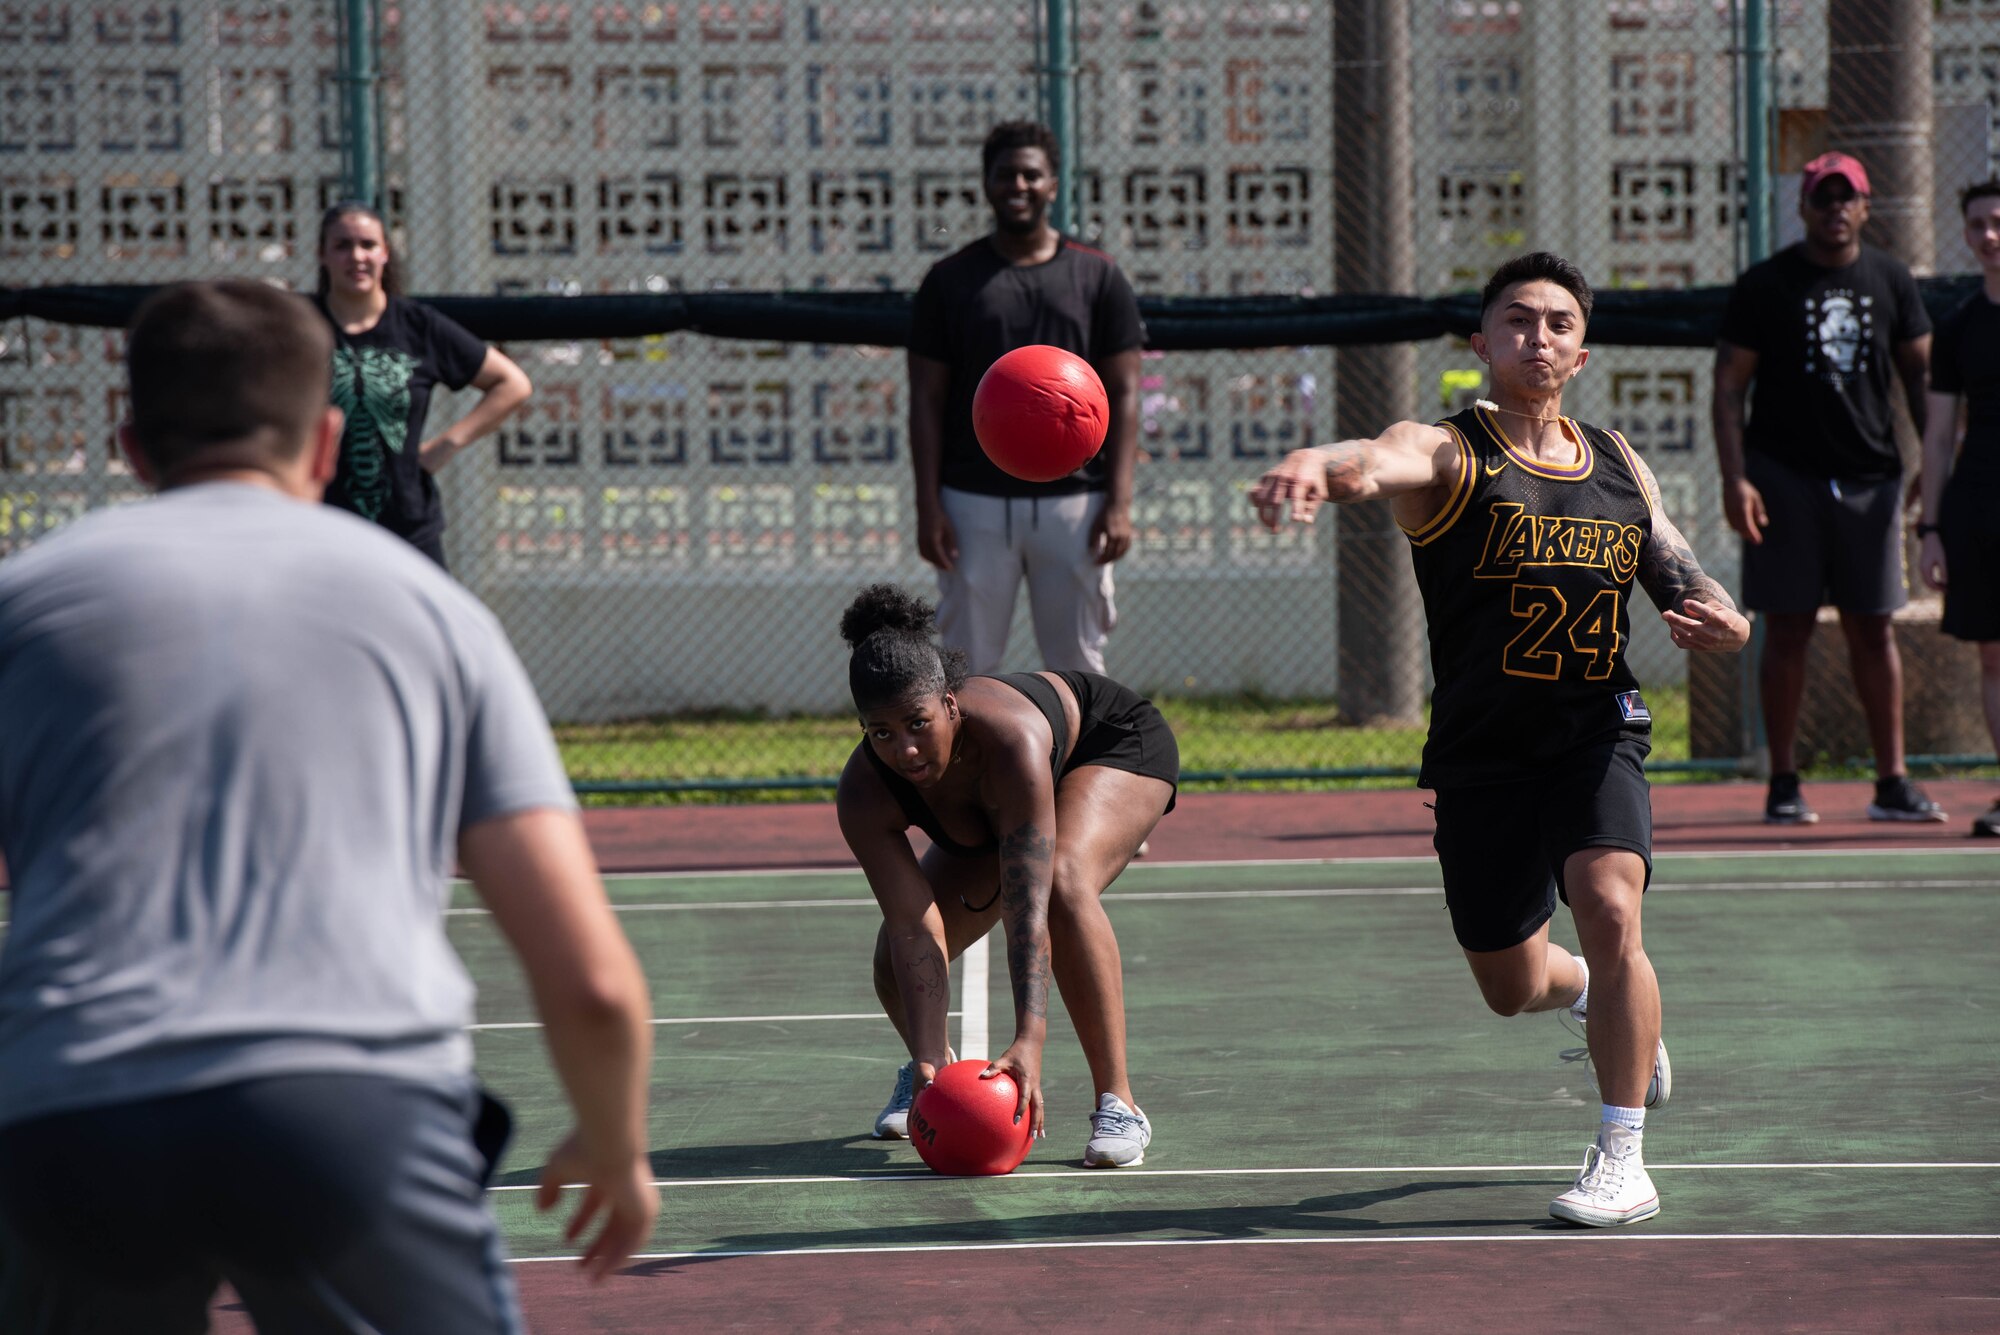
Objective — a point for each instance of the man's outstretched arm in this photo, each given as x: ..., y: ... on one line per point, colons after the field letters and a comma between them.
x: 1408, y: 457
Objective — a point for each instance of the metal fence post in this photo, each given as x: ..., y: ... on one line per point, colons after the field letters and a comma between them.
x: 359, y: 73
x: 1059, y: 80
x: 1757, y: 186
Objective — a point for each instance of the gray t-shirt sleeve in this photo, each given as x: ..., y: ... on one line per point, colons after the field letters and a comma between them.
x: 511, y: 761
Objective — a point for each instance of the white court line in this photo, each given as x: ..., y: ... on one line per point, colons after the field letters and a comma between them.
x: 711, y: 1019
x: 974, y: 987
x: 773, y: 873
x: 718, y: 904
x: 1097, y: 1175
x: 1363, y: 892
x: 1304, y: 892
x: 1592, y: 1238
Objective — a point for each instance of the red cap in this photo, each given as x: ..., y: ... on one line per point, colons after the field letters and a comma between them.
x: 1833, y: 164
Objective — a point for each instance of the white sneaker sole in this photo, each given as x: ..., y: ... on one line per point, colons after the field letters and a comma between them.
x: 1107, y: 1162
x: 1591, y: 1216
x: 890, y: 1131
x: 1909, y: 817
x: 1661, y: 1087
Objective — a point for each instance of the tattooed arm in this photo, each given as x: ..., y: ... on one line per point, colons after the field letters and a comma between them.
x: 1407, y: 460
x: 1020, y: 797
x: 912, y: 943
x: 1698, y: 611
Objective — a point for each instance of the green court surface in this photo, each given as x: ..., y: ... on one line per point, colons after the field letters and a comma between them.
x: 1316, y: 1064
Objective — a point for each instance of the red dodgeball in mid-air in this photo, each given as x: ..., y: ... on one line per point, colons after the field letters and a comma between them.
x: 1040, y: 413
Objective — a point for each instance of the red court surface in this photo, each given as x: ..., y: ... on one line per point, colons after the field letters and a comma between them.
x: 1240, y: 827
x: 1573, y: 1284
x: 1233, y: 827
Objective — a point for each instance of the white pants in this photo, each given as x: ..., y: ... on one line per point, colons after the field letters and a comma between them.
x: 1046, y: 538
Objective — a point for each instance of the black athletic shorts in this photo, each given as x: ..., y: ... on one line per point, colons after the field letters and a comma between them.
x: 332, y: 1203
x: 1828, y: 542
x: 1502, y: 846
x: 1969, y: 526
x: 1121, y: 729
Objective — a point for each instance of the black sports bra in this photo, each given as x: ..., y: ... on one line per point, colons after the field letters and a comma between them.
x: 1036, y: 688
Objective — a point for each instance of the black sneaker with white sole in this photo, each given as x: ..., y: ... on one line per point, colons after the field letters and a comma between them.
x: 1987, y: 826
x: 1785, y: 805
x: 1896, y: 798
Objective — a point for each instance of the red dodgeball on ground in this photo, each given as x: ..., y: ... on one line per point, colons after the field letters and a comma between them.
x: 963, y: 1126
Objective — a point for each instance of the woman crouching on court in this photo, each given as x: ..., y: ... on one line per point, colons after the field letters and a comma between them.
x: 1035, y: 788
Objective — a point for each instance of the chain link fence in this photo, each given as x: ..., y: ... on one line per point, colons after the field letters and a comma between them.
x: 672, y: 525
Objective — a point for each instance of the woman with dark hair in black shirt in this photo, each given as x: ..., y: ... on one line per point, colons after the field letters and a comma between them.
x: 389, y: 352
x: 1035, y: 789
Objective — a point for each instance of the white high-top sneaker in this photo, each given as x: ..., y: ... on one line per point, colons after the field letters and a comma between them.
x: 1613, y: 1187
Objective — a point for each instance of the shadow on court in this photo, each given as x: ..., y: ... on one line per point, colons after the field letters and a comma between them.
x: 1323, y: 1215
x: 835, y: 1155
x: 842, y: 1156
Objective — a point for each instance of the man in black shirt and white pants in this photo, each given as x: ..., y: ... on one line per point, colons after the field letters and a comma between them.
x: 983, y: 529
x: 1813, y: 483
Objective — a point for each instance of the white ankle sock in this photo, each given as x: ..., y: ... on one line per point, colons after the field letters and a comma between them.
x: 1582, y: 1003
x: 1632, y: 1119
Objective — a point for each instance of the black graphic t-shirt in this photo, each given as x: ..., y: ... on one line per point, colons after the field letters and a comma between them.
x: 974, y: 307
x: 1823, y: 338
x: 382, y: 380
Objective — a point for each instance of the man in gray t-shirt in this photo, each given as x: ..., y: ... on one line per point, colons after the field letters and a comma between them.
x: 242, y: 739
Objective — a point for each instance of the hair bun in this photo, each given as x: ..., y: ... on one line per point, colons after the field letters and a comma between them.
x: 885, y: 607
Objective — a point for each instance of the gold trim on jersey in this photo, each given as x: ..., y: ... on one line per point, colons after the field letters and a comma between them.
x: 1454, y: 505
x: 1632, y: 462
x: 1577, y: 472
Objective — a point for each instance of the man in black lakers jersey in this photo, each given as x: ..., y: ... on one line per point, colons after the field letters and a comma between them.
x: 1528, y: 530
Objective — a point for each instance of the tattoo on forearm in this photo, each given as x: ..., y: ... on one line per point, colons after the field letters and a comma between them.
x: 1670, y: 575
x: 1348, y: 467
x: 1703, y: 589
x: 1026, y: 864
x: 1028, y: 966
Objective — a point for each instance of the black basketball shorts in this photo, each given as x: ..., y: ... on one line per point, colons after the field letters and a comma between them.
x: 1502, y: 846
x: 1969, y: 522
x: 1828, y: 542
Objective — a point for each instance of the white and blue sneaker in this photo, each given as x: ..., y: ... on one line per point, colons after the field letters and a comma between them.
x: 1658, y: 1090
x: 1119, y: 1134
x: 1613, y: 1187
x: 893, y: 1122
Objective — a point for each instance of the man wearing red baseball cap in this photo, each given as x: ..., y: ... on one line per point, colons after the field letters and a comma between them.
x: 1812, y: 483
x: 1829, y: 165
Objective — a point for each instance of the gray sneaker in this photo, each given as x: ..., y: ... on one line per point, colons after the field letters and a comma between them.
x: 1119, y: 1134
x: 893, y: 1122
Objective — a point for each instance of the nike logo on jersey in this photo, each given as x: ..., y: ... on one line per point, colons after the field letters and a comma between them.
x: 1494, y: 470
